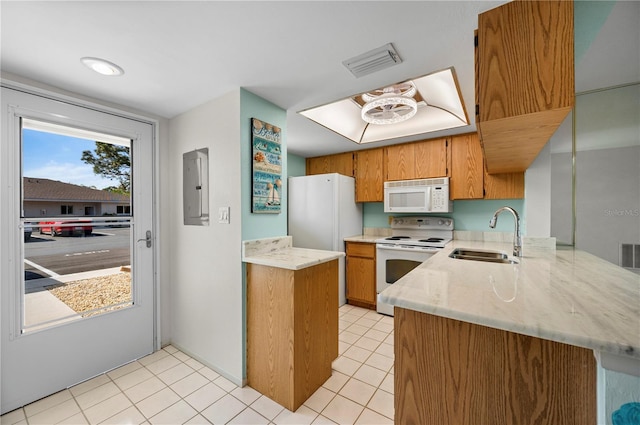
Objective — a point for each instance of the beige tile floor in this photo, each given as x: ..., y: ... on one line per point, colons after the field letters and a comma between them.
x: 169, y: 387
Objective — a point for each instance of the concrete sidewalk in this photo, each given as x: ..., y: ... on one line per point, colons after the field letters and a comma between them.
x: 42, y: 309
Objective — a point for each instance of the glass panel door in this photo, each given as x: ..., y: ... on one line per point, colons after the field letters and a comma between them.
x: 77, y: 274
x: 77, y: 257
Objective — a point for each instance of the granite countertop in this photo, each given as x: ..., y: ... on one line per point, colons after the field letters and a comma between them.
x: 563, y: 295
x: 279, y: 252
x: 363, y: 238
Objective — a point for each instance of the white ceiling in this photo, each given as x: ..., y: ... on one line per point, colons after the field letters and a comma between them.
x: 180, y: 54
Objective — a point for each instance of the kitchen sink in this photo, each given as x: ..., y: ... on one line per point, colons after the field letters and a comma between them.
x: 481, y: 255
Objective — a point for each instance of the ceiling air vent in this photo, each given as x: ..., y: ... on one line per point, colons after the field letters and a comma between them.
x: 373, y: 61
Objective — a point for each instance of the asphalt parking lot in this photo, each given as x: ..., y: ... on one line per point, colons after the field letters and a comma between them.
x: 47, y: 256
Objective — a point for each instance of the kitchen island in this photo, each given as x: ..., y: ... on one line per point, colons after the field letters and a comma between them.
x: 480, y: 342
x: 292, y: 318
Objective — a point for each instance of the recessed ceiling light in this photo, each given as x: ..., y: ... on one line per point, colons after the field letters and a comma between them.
x: 102, y: 66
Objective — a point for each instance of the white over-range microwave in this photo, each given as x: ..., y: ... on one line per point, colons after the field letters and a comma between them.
x: 417, y: 196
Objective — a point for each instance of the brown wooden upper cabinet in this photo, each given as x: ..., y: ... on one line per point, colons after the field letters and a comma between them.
x: 341, y: 163
x: 469, y: 178
x: 459, y: 157
x: 503, y: 185
x: 466, y: 168
x: 525, y: 79
x: 369, y: 170
x: 418, y: 160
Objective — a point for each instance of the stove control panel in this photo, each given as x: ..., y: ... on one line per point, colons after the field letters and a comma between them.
x: 433, y: 223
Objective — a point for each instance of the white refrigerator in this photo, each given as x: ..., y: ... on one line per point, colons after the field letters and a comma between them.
x: 322, y: 211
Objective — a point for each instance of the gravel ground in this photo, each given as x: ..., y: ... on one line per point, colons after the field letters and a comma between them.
x: 93, y: 296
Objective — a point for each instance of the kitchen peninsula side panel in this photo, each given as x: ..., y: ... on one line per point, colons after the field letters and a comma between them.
x: 453, y: 372
x: 292, y: 330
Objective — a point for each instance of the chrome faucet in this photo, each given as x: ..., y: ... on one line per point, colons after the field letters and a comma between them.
x: 517, y: 239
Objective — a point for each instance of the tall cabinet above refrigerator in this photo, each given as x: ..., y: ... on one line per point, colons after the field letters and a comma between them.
x: 322, y: 212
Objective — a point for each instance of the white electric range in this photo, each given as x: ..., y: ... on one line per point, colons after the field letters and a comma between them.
x: 413, y: 240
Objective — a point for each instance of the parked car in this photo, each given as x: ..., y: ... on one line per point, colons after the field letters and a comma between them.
x: 28, y: 230
x: 66, y: 228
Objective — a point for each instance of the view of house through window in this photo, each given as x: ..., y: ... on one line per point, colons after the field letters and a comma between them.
x: 123, y: 209
x: 76, y: 215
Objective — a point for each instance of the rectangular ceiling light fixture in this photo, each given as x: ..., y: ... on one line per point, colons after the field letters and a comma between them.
x: 439, y: 106
x: 373, y: 60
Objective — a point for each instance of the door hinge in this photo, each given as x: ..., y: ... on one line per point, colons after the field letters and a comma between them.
x: 477, y: 109
x: 475, y: 40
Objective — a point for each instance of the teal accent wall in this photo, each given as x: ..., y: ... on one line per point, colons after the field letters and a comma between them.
x: 467, y: 215
x: 257, y: 226
x: 475, y: 214
x: 296, y: 166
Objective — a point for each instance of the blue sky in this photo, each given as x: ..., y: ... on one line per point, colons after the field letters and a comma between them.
x: 56, y: 157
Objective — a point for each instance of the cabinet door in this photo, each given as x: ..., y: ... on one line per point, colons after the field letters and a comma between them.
x: 317, y: 165
x: 341, y: 163
x: 525, y: 58
x: 430, y: 158
x: 418, y: 160
x: 400, y: 160
x: 369, y: 169
x: 361, y: 279
x: 467, y: 168
x: 525, y: 83
x: 503, y: 186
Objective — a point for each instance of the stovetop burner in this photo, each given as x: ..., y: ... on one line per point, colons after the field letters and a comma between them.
x: 432, y: 232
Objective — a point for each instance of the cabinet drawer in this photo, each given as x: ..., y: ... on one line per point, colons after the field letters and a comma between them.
x: 367, y: 250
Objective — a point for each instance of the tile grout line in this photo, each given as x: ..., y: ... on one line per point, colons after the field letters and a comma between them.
x: 365, y: 343
x: 121, y: 391
x: 180, y: 398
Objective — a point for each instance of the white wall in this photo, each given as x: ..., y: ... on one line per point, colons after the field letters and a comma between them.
x: 608, y: 171
x: 562, y: 182
x: 205, y: 261
x: 536, y: 194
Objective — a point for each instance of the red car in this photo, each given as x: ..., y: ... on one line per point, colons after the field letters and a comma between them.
x: 66, y: 228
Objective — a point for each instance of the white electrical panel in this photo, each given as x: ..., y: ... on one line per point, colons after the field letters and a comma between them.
x: 195, y: 187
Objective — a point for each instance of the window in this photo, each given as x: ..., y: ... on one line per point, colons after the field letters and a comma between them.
x: 123, y: 209
x: 68, y: 198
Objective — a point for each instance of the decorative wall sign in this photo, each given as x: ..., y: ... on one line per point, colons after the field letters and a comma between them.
x: 266, y: 180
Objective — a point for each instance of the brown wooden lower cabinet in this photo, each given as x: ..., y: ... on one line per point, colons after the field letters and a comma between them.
x: 453, y: 372
x: 292, y: 330
x: 361, y: 274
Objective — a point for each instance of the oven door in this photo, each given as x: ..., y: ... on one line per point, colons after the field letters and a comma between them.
x: 392, y: 263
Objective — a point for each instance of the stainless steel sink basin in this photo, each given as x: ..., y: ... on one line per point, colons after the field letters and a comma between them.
x: 481, y: 255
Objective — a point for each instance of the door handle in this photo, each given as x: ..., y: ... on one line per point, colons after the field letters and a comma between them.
x: 147, y: 239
